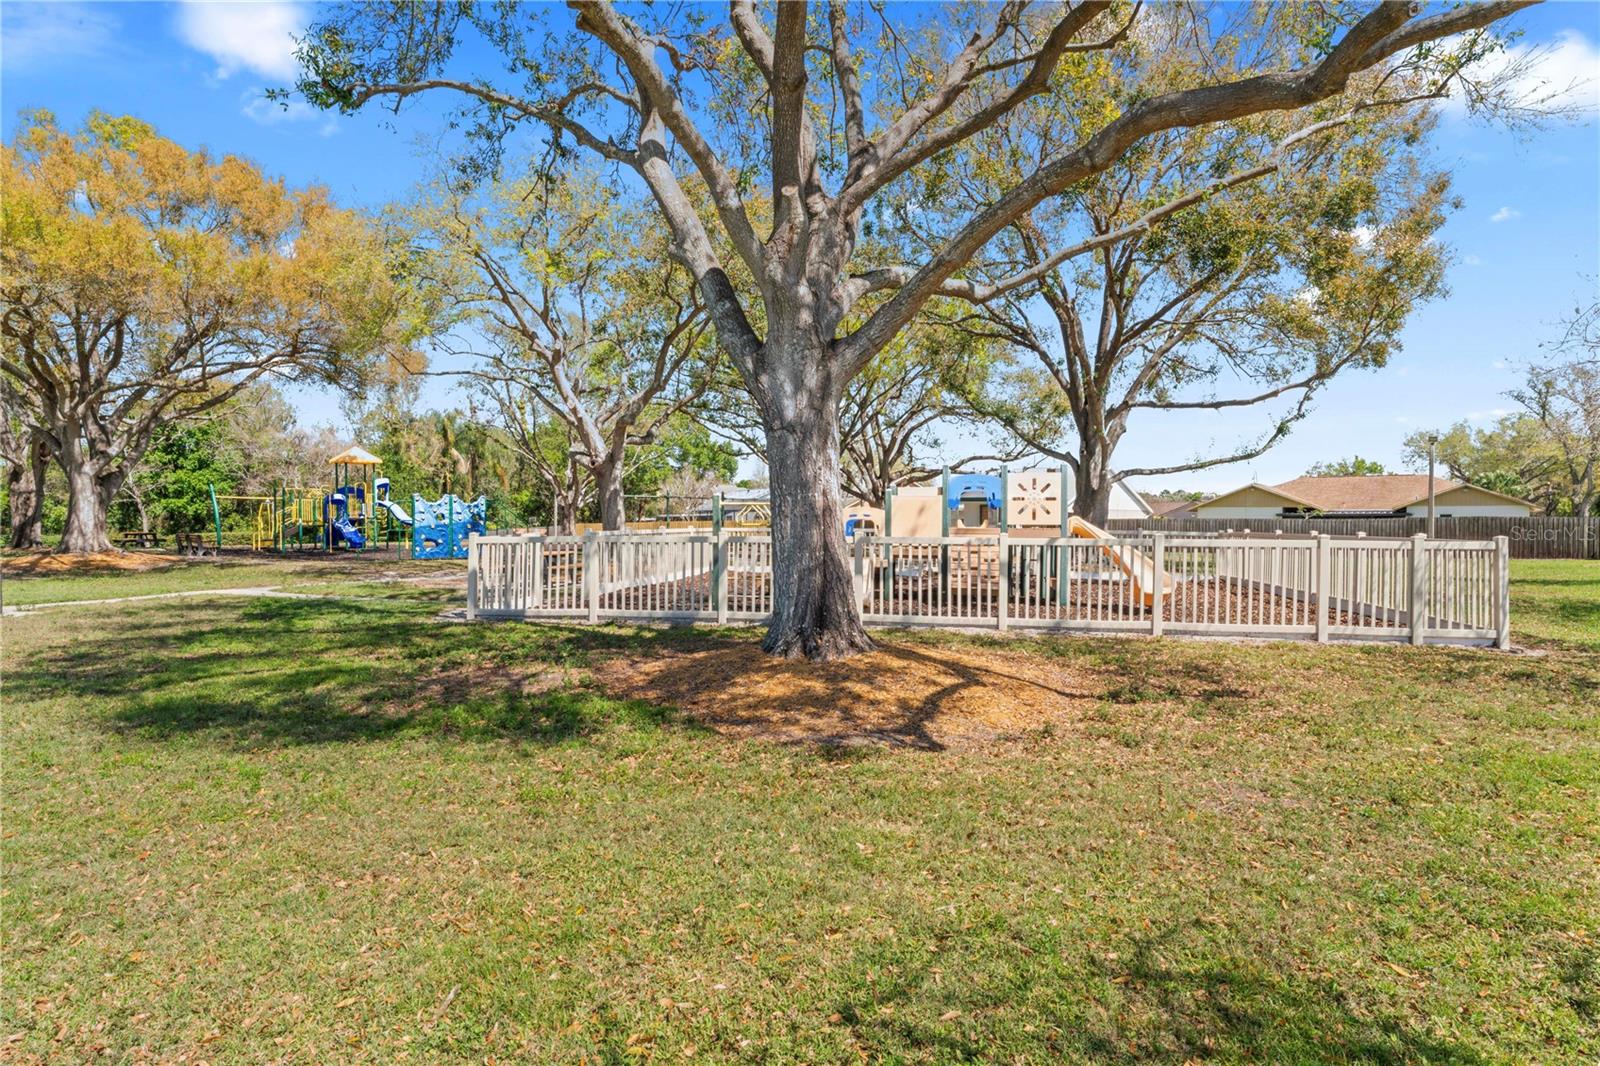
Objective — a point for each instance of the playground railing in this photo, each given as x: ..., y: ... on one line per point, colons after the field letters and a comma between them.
x: 1319, y: 588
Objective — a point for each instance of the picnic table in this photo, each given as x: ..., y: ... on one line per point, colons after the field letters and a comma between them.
x: 139, y: 538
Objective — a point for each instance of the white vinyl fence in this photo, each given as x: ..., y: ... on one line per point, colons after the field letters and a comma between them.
x: 1315, y: 587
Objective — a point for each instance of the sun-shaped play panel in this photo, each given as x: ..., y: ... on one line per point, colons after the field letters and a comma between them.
x: 1035, y: 499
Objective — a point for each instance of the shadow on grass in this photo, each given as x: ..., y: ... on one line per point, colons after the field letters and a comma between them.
x: 856, y: 703
x: 923, y: 694
x: 1176, y: 997
x: 280, y: 672
x: 1577, y: 614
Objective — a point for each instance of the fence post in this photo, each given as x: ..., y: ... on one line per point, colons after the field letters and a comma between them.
x: 1419, y: 586
x: 536, y: 561
x: 472, y: 576
x: 591, y: 574
x: 1502, y: 559
x: 1001, y: 603
x: 858, y: 553
x: 1324, y: 579
x: 1158, y: 574
x: 719, y: 576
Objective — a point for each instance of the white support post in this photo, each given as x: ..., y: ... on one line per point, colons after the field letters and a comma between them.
x: 591, y: 574
x: 858, y: 553
x: 1001, y: 603
x: 1158, y: 568
x: 1324, y: 579
x: 472, y: 576
x: 1419, y: 587
x: 1502, y: 559
x: 536, y: 560
x: 719, y: 562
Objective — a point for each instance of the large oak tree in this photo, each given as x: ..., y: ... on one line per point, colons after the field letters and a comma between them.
x: 560, y: 297
x: 821, y: 111
x: 142, y: 284
x: 1234, y: 268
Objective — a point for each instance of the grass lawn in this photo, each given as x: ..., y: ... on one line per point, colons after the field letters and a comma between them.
x: 1556, y: 602
x: 343, y: 830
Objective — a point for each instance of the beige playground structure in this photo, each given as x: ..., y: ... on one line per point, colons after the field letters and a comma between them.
x: 1027, y: 504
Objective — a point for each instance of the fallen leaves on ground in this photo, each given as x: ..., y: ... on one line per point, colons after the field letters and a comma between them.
x: 901, y: 695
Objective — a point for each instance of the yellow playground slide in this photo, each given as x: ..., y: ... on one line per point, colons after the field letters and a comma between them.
x: 1139, y: 567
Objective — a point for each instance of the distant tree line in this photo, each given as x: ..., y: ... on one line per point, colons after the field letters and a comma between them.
x: 1547, y: 451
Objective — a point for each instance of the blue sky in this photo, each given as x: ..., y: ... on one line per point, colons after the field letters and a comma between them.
x: 1526, y: 241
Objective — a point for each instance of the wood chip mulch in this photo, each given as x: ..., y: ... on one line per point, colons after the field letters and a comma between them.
x: 902, y: 695
x: 42, y: 563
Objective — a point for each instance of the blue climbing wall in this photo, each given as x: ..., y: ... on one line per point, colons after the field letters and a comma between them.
x: 439, y: 528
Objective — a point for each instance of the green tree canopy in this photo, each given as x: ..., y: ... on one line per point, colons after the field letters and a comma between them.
x: 561, y: 296
x: 1355, y: 466
x: 144, y: 284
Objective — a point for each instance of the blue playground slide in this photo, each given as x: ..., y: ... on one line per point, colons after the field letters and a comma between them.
x: 341, y: 530
x: 396, y: 512
x: 345, y: 530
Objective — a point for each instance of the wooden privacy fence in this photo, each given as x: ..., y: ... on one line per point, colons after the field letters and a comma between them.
x: 1535, y: 537
x: 1314, y: 587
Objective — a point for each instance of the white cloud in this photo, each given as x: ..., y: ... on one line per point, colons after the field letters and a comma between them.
x: 1486, y: 416
x: 1505, y: 214
x: 254, y: 37
x: 36, y: 36
x: 255, y: 106
x: 1500, y: 364
x: 1562, y: 74
x: 1364, y: 236
x: 1471, y: 260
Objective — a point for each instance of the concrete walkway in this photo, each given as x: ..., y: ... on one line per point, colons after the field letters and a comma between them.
x: 262, y: 590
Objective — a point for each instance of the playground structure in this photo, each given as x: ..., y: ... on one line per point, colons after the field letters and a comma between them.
x: 440, y: 528
x: 1029, y: 504
x: 356, y: 514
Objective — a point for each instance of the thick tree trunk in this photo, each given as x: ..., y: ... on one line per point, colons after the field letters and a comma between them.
x: 87, y: 503
x: 814, y: 609
x: 25, y: 490
x: 1092, y: 485
x: 86, y: 516
x: 608, y: 483
x: 566, y: 501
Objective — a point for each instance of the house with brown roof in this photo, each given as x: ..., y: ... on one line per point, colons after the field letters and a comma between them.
x: 1161, y: 507
x: 1369, y: 496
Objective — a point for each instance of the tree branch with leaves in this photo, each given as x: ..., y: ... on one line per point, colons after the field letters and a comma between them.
x: 556, y: 293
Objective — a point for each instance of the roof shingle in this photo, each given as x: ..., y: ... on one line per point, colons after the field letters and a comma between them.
x: 1371, y: 492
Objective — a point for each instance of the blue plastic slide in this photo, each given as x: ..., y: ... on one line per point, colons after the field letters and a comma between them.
x: 346, y: 530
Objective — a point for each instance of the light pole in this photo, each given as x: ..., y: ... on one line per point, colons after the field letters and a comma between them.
x: 1433, y: 440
